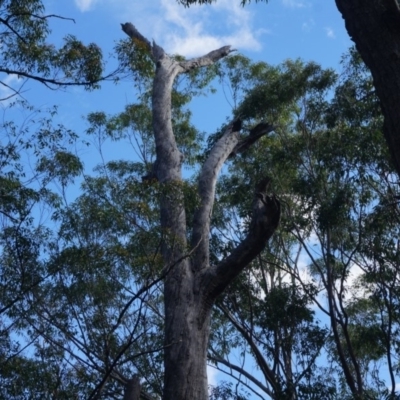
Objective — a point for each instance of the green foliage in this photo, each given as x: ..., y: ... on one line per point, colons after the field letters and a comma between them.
x: 28, y: 197
x: 134, y: 58
x: 225, y: 391
x: 80, y: 291
x: 27, y: 53
x: 330, y: 169
x: 63, y: 165
x: 277, y: 90
x: 80, y: 62
x: 134, y: 124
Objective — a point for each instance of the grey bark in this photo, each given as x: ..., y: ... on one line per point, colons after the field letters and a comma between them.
x: 192, y: 285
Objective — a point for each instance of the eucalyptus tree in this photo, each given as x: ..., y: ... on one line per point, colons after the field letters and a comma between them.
x: 270, y: 320
x: 333, y: 175
x: 95, y: 305
x: 33, y: 156
x: 90, y: 293
x: 36, y: 162
x: 27, y: 53
x: 370, y: 24
x: 192, y: 284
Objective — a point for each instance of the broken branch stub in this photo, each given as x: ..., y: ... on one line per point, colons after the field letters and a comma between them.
x: 156, y: 51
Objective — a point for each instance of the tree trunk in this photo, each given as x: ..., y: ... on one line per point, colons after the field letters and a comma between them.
x: 374, y: 26
x: 185, y: 344
x: 132, y: 389
x: 191, y: 285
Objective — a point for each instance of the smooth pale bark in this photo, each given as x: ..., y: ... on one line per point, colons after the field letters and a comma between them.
x: 374, y: 26
x: 192, y: 285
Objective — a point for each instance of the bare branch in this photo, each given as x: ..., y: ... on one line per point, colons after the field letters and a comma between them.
x: 158, y: 52
x: 265, y: 220
x: 206, y: 187
x: 261, y: 362
x: 218, y: 359
x: 228, y: 145
x: 6, y: 23
x: 52, y: 81
x: 256, y: 133
x: 42, y: 17
x: 239, y: 380
x: 209, y: 59
x: 16, y: 92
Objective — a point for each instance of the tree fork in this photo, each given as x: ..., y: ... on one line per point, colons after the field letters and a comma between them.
x: 192, y: 285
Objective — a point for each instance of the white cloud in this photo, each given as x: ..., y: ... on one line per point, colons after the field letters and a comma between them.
x: 191, y: 31
x: 194, y: 31
x: 330, y: 32
x: 353, y: 288
x: 294, y: 3
x: 85, y: 5
x: 199, y: 43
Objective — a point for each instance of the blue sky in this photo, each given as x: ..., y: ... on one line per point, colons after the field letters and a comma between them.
x: 271, y: 32
x: 282, y: 29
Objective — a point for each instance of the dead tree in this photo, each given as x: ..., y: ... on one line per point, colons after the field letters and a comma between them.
x: 192, y: 285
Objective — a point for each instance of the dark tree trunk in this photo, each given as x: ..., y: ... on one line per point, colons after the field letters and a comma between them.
x: 132, y: 389
x: 374, y: 26
x: 191, y: 285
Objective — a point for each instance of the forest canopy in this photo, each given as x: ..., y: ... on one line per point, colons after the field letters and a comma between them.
x: 287, y: 263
